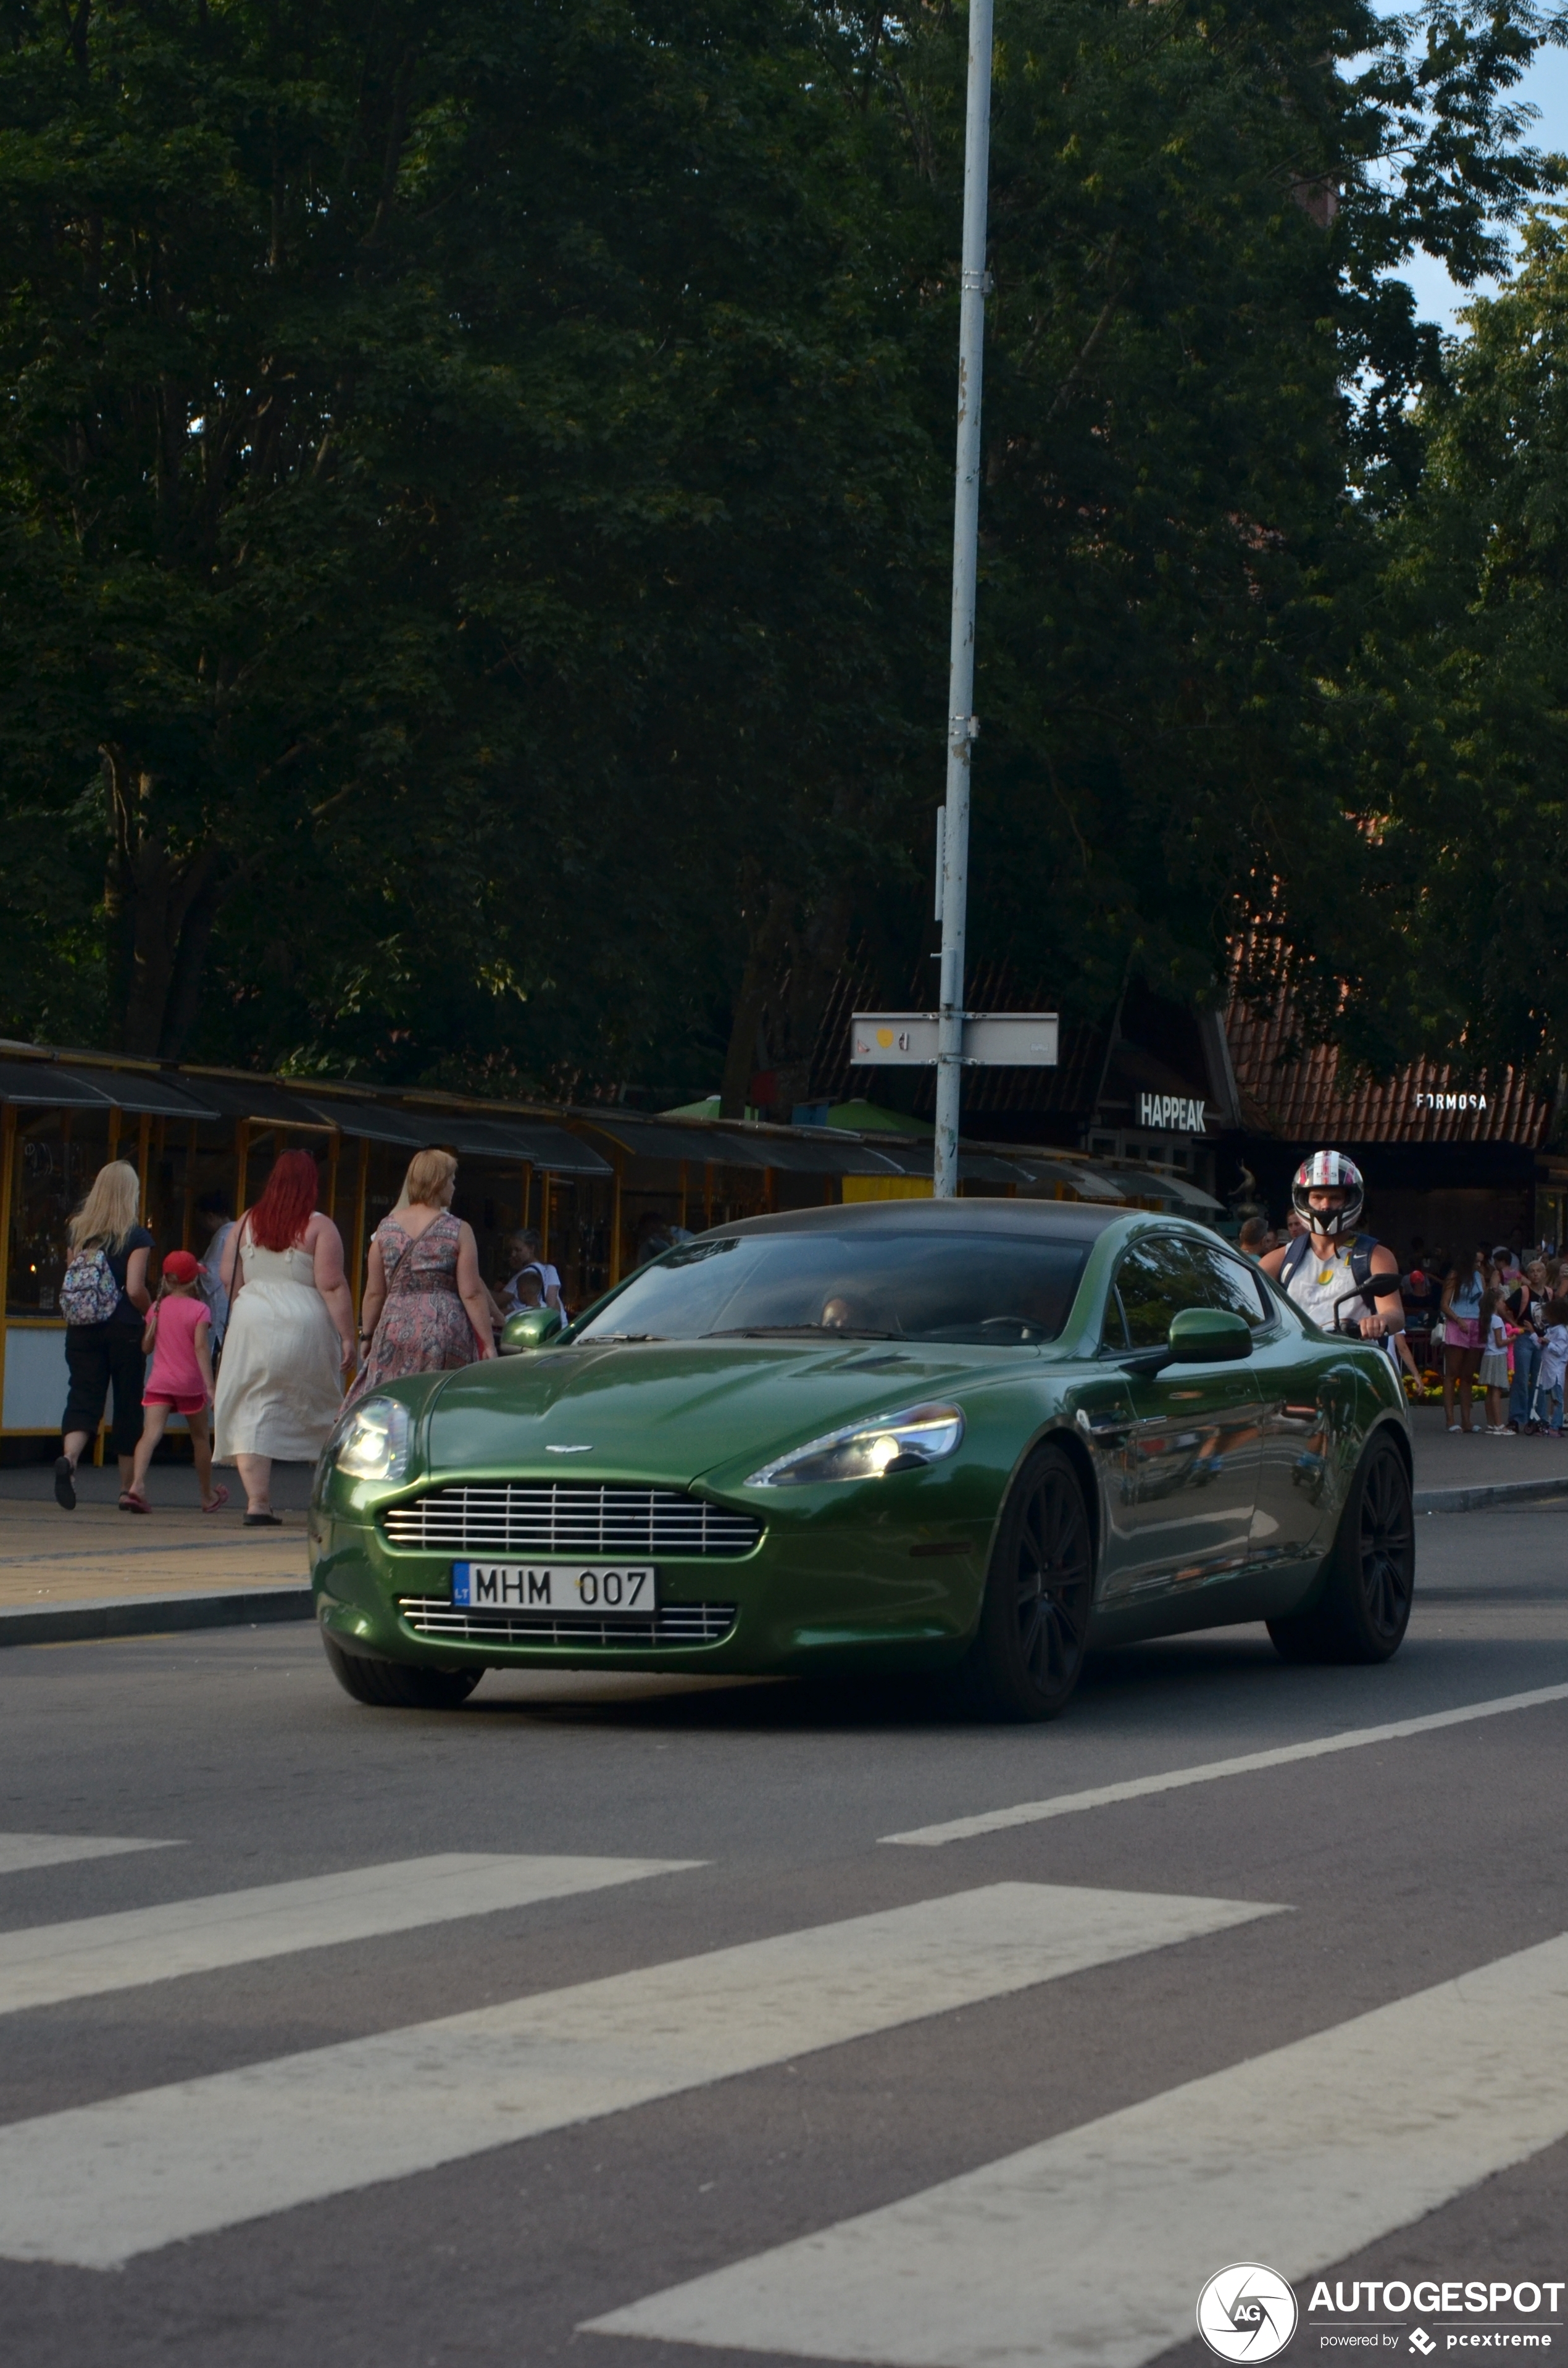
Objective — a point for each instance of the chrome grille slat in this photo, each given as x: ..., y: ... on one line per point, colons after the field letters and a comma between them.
x: 672, y: 1624
x: 579, y: 1518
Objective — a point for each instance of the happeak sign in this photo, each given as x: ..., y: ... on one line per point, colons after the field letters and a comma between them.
x: 1172, y: 1114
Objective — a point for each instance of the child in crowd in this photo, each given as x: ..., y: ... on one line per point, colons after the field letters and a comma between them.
x: 1553, y: 1366
x: 525, y: 1248
x: 179, y: 1380
x: 1494, y: 1368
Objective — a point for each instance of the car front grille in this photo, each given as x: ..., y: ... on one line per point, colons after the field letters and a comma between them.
x: 672, y: 1624
x: 573, y: 1518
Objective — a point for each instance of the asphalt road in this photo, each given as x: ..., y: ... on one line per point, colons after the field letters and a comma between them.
x: 1008, y: 2096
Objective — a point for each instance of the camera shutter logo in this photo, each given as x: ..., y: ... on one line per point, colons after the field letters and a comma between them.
x: 1246, y: 2312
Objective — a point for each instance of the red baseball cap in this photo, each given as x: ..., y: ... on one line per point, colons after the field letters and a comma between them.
x: 181, y: 1266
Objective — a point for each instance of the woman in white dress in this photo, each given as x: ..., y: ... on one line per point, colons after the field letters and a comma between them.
x: 290, y: 1338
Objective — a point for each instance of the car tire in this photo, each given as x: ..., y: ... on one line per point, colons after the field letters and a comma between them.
x: 397, y: 1685
x: 1369, y: 1578
x: 1027, y: 1653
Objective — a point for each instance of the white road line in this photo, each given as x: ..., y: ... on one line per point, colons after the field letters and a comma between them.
x: 20, y: 1853
x: 100, y: 2183
x: 49, y: 1963
x: 1100, y: 1797
x: 1088, y: 2251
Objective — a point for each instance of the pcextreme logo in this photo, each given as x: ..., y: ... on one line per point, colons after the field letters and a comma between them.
x: 1247, y: 2312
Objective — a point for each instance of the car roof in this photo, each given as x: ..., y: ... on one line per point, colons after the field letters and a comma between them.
x: 1054, y: 1220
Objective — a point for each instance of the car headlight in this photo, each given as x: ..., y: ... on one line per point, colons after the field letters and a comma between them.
x: 373, y: 1442
x: 868, y: 1451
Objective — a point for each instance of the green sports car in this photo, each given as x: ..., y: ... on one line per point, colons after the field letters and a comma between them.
x: 977, y: 1436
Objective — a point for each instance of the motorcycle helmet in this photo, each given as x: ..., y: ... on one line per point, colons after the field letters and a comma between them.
x: 1328, y: 1170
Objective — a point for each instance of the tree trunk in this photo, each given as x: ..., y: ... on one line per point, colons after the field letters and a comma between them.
x: 757, y: 983
x: 159, y: 911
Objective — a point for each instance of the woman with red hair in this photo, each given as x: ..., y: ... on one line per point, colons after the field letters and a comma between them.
x: 291, y: 1334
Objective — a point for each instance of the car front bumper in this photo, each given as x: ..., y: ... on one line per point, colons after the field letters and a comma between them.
x: 894, y: 1581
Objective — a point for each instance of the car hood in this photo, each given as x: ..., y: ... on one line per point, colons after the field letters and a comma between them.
x: 670, y: 1411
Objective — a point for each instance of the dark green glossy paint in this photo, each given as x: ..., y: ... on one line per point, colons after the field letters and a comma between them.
x: 1214, y: 1488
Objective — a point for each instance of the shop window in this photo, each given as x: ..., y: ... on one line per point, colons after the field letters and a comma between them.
x: 58, y: 1153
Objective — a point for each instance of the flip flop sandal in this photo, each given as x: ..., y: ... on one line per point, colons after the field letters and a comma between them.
x: 64, y: 1483
x: 262, y: 1521
x: 220, y: 1498
x: 130, y: 1502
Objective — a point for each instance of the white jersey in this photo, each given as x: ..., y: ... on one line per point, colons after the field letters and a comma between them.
x: 1318, y: 1282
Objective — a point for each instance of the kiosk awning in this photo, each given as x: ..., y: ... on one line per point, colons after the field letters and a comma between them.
x: 46, y: 1084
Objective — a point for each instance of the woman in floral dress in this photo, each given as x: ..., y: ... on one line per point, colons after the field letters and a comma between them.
x: 425, y: 1308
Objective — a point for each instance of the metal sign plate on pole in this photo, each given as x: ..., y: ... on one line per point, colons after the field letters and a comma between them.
x: 912, y: 1039
x: 893, y: 1039
x: 1011, y: 1040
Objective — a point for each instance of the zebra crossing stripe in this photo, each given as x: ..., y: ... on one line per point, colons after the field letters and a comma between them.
x: 100, y: 2183
x: 1088, y: 2250
x: 20, y: 1853
x: 50, y: 1963
x: 1246, y: 1763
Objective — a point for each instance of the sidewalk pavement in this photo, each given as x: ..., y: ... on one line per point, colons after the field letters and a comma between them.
x: 100, y: 1572
x: 1455, y: 1474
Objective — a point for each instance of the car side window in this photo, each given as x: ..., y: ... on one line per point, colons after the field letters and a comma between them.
x: 1229, y: 1282
x: 1156, y: 1280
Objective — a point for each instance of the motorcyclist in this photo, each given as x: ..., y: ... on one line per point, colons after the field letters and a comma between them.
x: 1330, y: 1261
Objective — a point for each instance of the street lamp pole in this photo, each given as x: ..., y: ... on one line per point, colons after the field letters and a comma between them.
x: 961, y: 725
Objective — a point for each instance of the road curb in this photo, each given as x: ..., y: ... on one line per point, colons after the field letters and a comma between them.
x: 153, y: 1616
x: 1496, y: 1492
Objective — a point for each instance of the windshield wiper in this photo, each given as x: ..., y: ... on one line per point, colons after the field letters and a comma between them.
x: 592, y: 1340
x: 818, y: 1331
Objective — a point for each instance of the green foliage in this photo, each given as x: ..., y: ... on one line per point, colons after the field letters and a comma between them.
x: 1463, y: 685
x: 475, y: 483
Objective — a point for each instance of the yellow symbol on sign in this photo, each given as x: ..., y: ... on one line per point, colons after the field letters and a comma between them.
x: 884, y: 1037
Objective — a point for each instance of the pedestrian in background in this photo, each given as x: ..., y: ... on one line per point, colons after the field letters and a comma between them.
x: 179, y: 1380
x: 1494, y: 1367
x: 1254, y: 1240
x: 291, y: 1334
x: 1546, y: 1411
x: 1462, y: 1296
x: 216, y: 1222
x: 1422, y: 1289
x: 525, y: 1248
x: 425, y: 1309
x: 1527, y: 1306
x: 104, y: 1297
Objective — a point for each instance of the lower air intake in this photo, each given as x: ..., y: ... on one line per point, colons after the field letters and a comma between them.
x: 671, y: 1624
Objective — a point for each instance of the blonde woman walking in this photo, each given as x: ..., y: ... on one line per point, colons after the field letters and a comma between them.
x: 105, y: 1301
x: 425, y: 1307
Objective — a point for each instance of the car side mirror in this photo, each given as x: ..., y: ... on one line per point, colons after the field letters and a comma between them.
x: 531, y: 1328
x: 1208, y: 1335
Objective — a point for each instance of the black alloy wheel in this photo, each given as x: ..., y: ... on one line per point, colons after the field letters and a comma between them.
x: 1387, y: 1541
x: 1027, y: 1653
x: 1369, y: 1579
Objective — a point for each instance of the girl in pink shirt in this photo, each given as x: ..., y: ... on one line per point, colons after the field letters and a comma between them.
x: 179, y: 1380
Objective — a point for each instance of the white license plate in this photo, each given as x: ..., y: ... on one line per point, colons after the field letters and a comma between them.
x: 599, y: 1587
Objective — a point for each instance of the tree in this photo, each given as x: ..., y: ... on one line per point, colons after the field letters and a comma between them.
x: 474, y: 503
x: 1464, y: 688
x: 459, y: 471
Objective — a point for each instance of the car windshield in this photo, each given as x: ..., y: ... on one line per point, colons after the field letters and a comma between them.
x: 1001, y: 1289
